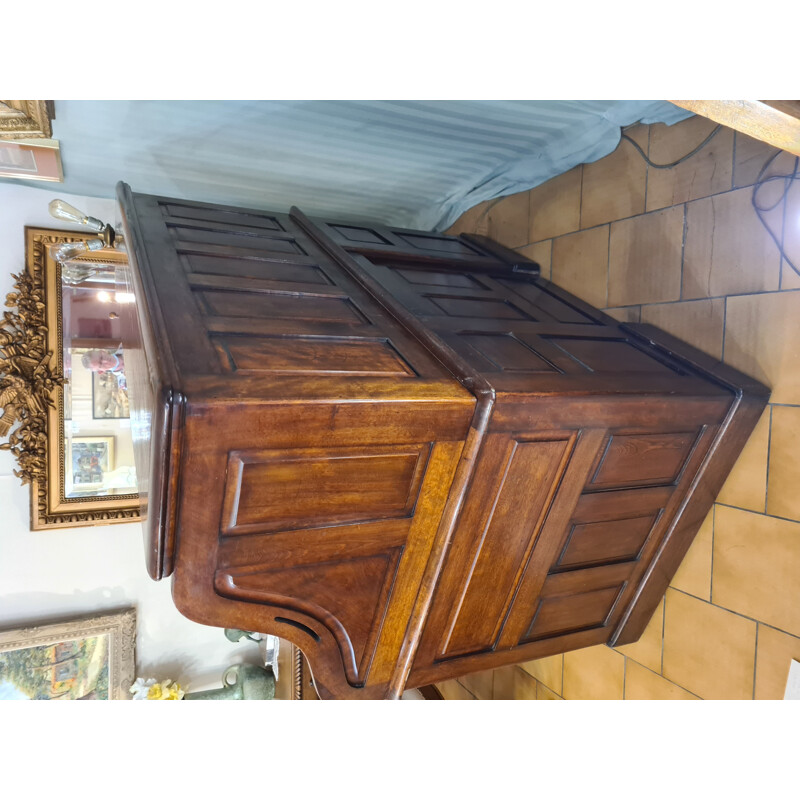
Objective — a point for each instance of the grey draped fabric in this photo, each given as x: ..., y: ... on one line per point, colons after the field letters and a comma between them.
x: 418, y: 164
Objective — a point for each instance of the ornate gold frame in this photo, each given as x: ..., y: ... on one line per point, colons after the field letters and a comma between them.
x: 120, y: 627
x: 26, y: 119
x: 31, y: 389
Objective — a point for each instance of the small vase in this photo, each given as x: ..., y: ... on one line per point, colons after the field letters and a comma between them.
x: 241, y: 682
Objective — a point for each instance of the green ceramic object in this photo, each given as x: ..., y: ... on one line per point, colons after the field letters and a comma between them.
x: 241, y: 682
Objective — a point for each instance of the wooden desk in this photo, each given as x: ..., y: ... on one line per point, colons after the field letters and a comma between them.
x: 405, y: 452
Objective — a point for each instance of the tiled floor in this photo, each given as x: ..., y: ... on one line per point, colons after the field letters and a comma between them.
x: 683, y: 249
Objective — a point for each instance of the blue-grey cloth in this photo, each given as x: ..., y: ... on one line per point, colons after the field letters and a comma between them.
x: 418, y: 164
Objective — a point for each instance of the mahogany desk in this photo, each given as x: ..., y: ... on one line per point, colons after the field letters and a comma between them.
x: 406, y: 452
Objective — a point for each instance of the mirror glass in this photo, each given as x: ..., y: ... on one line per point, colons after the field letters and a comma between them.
x: 98, y: 447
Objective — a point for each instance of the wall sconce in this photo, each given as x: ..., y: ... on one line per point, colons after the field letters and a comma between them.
x: 60, y: 209
x: 64, y: 253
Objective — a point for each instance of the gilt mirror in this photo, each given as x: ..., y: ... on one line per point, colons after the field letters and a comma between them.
x: 63, y: 391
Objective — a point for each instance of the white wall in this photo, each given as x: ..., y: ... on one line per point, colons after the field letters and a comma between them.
x: 49, y: 575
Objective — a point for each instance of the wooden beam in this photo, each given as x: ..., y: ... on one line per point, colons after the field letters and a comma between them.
x: 776, y: 122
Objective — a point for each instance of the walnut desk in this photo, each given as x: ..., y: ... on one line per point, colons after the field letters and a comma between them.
x: 406, y: 452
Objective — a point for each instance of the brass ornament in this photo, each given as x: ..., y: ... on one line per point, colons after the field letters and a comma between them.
x: 25, y: 119
x: 27, y: 381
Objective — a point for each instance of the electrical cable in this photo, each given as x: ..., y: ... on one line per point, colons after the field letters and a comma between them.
x: 682, y: 158
x: 760, y: 210
x: 760, y: 182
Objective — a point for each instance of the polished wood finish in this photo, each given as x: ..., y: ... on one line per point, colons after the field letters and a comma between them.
x: 407, y: 453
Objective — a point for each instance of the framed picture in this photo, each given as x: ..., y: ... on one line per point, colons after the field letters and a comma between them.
x: 92, y: 459
x: 110, y: 396
x: 83, y: 659
x: 26, y: 119
x: 31, y: 160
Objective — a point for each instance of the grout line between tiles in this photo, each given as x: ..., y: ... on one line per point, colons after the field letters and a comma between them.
x: 724, y: 323
x: 608, y: 263
x: 760, y: 513
x: 755, y: 662
x: 624, y: 675
x: 663, y: 629
x: 711, y: 576
x: 683, y: 248
x: 769, y: 445
x: 647, y: 167
x: 735, y: 613
x: 669, y: 680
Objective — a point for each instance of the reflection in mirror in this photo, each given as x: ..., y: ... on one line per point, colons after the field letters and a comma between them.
x: 98, y: 449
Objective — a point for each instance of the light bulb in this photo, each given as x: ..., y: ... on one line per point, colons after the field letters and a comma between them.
x: 60, y: 209
x: 64, y: 252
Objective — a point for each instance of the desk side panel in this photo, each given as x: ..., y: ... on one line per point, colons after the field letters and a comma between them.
x: 318, y: 527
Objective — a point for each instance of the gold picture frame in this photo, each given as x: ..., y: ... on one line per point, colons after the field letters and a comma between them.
x: 32, y: 390
x: 26, y: 119
x: 91, y: 658
x: 31, y: 160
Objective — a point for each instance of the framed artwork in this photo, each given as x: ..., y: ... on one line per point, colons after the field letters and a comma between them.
x: 26, y: 119
x: 83, y: 659
x: 31, y: 160
x: 110, y: 396
x: 92, y: 459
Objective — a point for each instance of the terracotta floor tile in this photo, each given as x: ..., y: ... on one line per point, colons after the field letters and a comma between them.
x: 614, y: 186
x: 453, y: 690
x: 473, y: 220
x: 761, y: 335
x: 642, y: 684
x: 479, y: 683
x: 727, y: 250
x: 625, y: 313
x: 580, y: 264
x: 548, y: 671
x: 775, y: 652
x: 750, y: 155
x: 756, y: 567
x: 783, y: 497
x: 694, y: 574
x: 746, y: 486
x: 707, y: 172
x: 594, y: 673
x: 791, y: 235
x: 543, y: 693
x: 647, y: 650
x: 707, y: 650
x: 789, y: 278
x: 697, y: 322
x: 645, y: 258
x: 513, y: 683
x: 555, y: 206
x: 541, y: 253
x: 508, y: 220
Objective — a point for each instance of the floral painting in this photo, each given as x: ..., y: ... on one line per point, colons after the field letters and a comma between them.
x: 73, y: 670
x: 84, y: 659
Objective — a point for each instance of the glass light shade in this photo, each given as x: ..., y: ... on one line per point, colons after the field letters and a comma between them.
x: 64, y: 252
x: 60, y: 209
